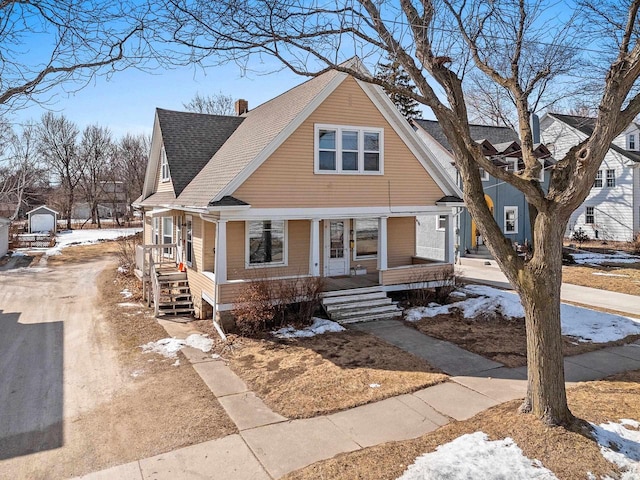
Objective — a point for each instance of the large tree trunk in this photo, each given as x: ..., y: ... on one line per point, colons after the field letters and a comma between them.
x: 539, y: 289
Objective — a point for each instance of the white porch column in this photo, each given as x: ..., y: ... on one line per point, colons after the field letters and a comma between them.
x: 382, y: 243
x: 449, y: 238
x: 314, y: 254
x: 221, y: 252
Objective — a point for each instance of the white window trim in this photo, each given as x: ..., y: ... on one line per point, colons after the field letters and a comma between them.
x: 188, y: 234
x: 484, y: 175
x: 165, y: 175
x: 338, y: 129
x: 285, y: 246
x: 586, y: 215
x: 596, y: 179
x: 515, y: 220
x: 541, y: 175
x: 438, y: 228
x: 355, y: 241
x: 606, y: 179
x: 155, y: 231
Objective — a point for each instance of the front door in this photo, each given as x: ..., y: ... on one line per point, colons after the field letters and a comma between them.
x: 336, y: 246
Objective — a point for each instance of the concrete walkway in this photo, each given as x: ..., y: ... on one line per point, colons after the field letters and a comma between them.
x: 475, y: 270
x: 269, y: 445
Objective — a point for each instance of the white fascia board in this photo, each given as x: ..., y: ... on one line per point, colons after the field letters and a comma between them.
x: 153, y: 163
x: 286, y: 132
x: 402, y: 127
x: 332, y: 213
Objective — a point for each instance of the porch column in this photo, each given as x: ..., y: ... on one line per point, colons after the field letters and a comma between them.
x: 449, y: 240
x: 221, y: 252
x: 314, y: 254
x: 382, y: 243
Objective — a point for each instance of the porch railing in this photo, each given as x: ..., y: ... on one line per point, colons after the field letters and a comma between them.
x: 417, y: 274
x: 159, y: 255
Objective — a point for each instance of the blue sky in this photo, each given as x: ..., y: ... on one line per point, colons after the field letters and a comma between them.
x: 126, y: 102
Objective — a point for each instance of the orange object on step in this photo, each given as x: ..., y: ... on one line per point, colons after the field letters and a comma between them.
x: 181, y: 267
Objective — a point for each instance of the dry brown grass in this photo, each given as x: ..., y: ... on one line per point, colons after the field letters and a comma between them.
x: 498, y: 338
x: 83, y: 253
x: 569, y: 454
x: 584, y: 275
x: 303, y: 378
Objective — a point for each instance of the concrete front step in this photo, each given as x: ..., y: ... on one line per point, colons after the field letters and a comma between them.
x: 336, y: 300
x: 357, y: 305
x: 372, y: 317
x: 342, y: 316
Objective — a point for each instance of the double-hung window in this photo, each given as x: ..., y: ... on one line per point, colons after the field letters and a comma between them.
x: 266, y: 243
x: 611, y: 178
x: 348, y: 150
x: 598, y: 181
x: 632, y: 142
x: 510, y: 219
x: 167, y: 235
x: 590, y: 216
x: 442, y: 222
x: 366, y: 238
x: 164, y: 166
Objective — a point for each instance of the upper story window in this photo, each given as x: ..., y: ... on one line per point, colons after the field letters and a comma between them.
x: 597, y: 183
x: 165, y: 166
x: 611, y: 178
x: 631, y: 141
x: 484, y: 175
x: 590, y: 216
x: 510, y: 219
x: 348, y: 150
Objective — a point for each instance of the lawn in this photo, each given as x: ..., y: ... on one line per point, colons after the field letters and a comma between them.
x: 306, y: 377
x: 616, y: 278
x: 568, y: 454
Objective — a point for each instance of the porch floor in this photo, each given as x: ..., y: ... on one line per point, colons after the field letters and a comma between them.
x: 348, y: 282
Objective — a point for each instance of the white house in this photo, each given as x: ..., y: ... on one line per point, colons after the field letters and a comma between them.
x: 4, y: 236
x: 612, y: 209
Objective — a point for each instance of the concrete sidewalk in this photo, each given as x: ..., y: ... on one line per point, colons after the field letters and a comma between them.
x: 475, y: 270
x: 269, y: 446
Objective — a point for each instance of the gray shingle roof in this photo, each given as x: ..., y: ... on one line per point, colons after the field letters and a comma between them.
x: 190, y: 140
x: 259, y: 128
x: 586, y: 126
x: 495, y: 135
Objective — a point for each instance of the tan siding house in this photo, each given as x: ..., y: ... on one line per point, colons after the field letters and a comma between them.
x: 325, y: 180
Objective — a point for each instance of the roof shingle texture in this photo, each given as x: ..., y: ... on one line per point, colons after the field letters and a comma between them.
x: 191, y: 139
x: 586, y: 126
x: 259, y: 128
x: 495, y: 135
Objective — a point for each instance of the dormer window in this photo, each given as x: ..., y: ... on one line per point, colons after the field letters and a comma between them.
x: 631, y: 141
x: 165, y: 166
x: 348, y: 150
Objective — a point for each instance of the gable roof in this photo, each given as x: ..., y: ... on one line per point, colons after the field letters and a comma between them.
x: 586, y: 125
x: 494, y: 135
x: 190, y: 140
x: 250, y: 142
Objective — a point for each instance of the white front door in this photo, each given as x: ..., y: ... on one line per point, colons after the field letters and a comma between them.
x: 336, y: 248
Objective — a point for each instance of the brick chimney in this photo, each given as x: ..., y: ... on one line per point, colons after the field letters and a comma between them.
x: 242, y: 106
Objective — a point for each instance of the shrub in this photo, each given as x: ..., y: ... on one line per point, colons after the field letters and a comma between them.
x: 580, y: 236
x: 421, y: 297
x: 635, y: 245
x: 126, y: 253
x: 254, y: 309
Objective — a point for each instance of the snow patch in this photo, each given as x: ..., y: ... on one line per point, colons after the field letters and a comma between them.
x: 374, y: 385
x: 123, y: 270
x: 600, y: 258
x: 584, y: 324
x: 169, y: 347
x: 602, y: 274
x: 66, y: 238
x: 620, y: 445
x: 176, y: 363
x: 319, y: 326
x: 128, y: 304
x: 475, y: 456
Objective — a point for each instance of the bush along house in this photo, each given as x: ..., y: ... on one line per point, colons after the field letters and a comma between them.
x: 324, y: 181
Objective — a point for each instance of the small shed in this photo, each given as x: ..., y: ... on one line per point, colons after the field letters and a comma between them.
x: 4, y: 236
x: 42, y: 219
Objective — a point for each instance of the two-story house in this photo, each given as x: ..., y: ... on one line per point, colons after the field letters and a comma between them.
x: 612, y: 209
x: 325, y: 180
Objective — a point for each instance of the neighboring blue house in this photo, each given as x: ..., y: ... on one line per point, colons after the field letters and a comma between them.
x: 507, y: 203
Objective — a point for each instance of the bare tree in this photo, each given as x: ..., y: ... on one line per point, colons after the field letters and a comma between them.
x: 58, y: 147
x: 130, y: 163
x: 520, y: 47
x: 48, y: 42
x: 216, y: 104
x: 96, y: 153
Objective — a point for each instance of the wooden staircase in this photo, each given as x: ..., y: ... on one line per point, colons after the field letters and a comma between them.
x: 173, y: 293
x: 359, y: 305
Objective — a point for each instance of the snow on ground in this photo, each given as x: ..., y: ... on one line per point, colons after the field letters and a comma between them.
x: 602, y: 274
x: 584, y: 324
x: 169, y: 347
x: 600, y: 258
x: 319, y: 326
x: 475, y: 456
x: 86, y: 237
x: 620, y: 445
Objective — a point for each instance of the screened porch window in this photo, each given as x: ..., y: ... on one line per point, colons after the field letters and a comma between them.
x: 266, y: 242
x: 366, y: 237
